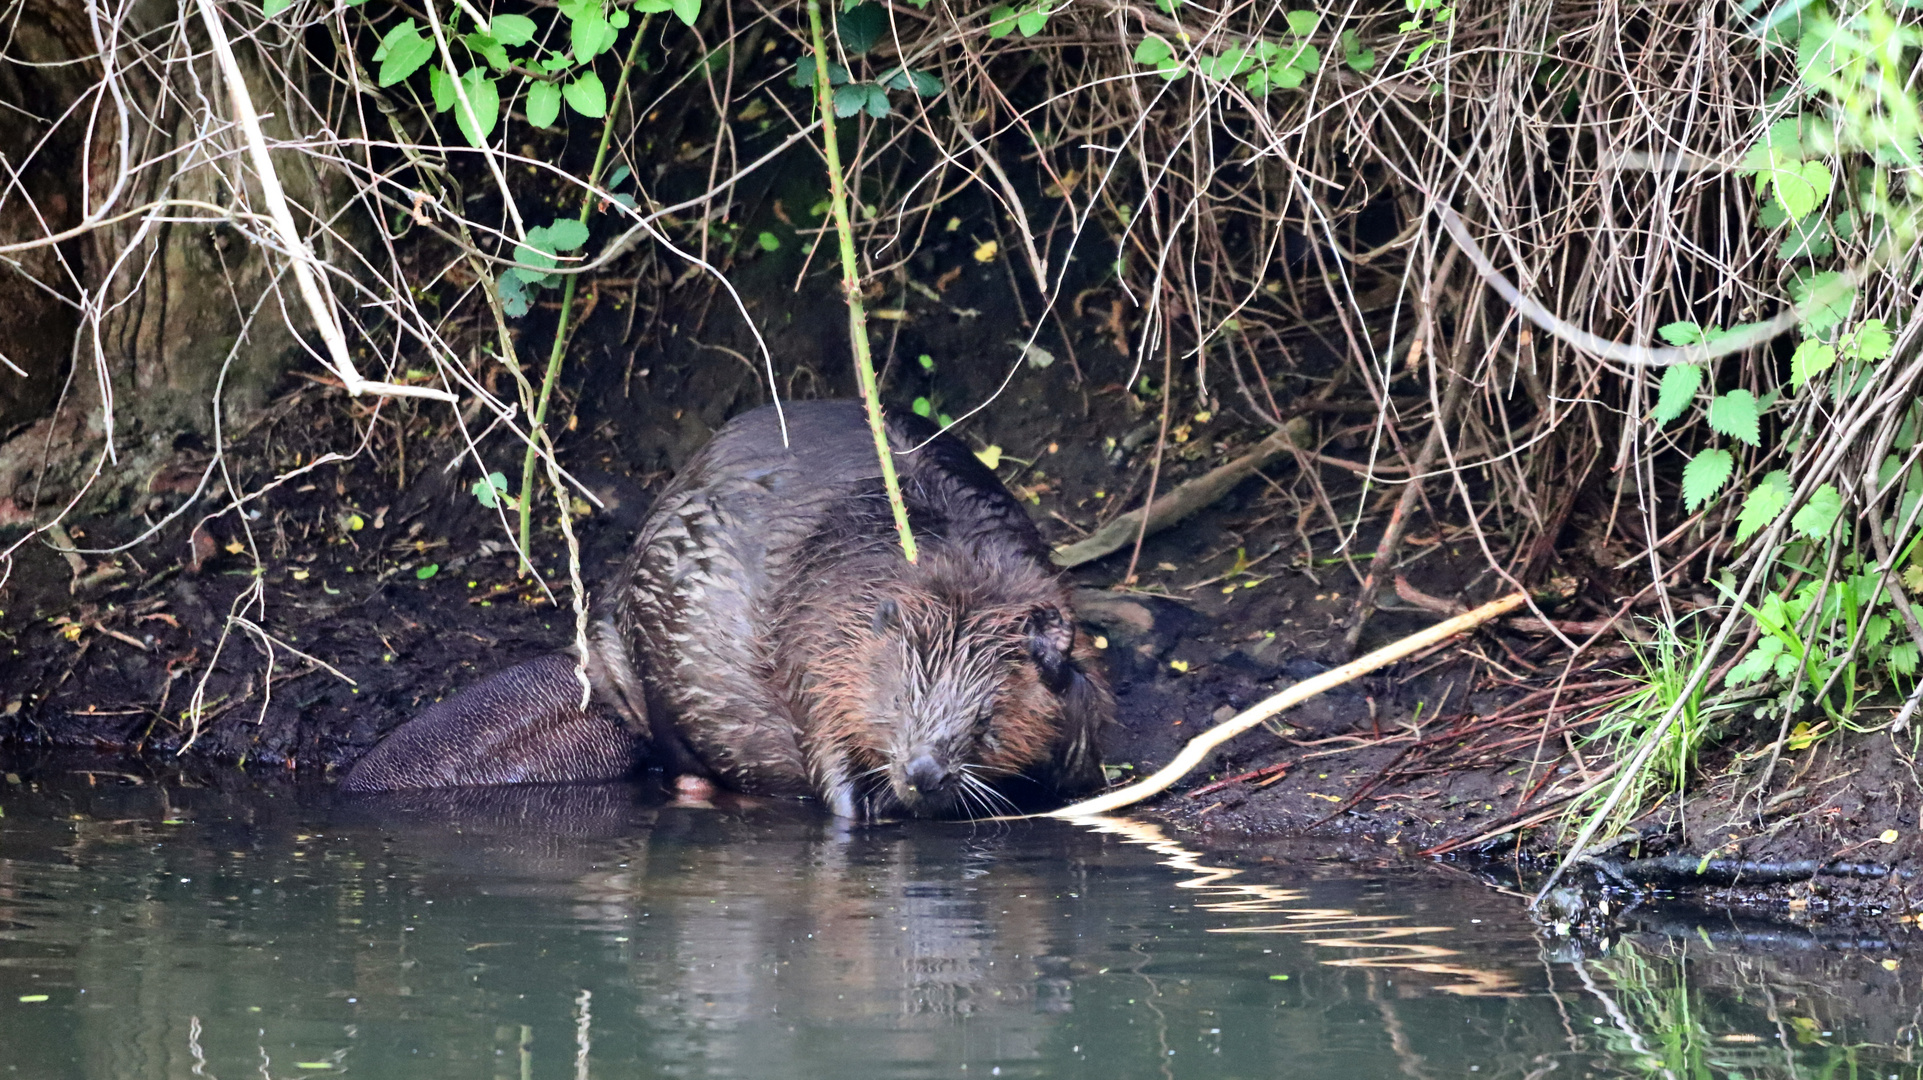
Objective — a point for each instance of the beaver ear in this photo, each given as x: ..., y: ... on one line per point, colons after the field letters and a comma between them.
x: 1050, y: 636
x: 887, y: 616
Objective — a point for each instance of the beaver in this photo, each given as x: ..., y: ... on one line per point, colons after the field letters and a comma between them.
x: 766, y: 632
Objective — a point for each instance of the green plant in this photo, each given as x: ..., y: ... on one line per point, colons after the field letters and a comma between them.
x: 825, y: 100
x: 859, y: 29
x: 1632, y: 722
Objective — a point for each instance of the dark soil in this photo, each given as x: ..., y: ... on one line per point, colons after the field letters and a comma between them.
x: 333, y: 605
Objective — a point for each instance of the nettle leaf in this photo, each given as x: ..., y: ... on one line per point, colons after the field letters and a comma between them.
x: 1705, y: 475
x: 1811, y: 359
x: 543, y: 104
x: 402, y: 53
x: 485, y: 99
x: 1680, y: 383
x: 1802, y: 186
x: 850, y: 99
x: 587, y: 96
x: 1303, y: 23
x: 511, y: 30
x: 1153, y: 50
x: 1819, y: 514
x: 1736, y: 415
x: 1826, y: 300
x: 1871, y: 341
x: 1765, y: 503
x: 1756, y: 663
x: 1680, y: 334
x: 1809, y: 237
x: 861, y: 27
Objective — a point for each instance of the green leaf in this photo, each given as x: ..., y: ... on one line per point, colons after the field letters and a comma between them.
x: 589, y: 34
x: 925, y: 84
x: 926, y: 361
x: 488, y: 48
x: 1153, y: 50
x: 861, y: 27
x: 1807, y: 238
x: 489, y: 490
x: 1811, y: 359
x: 1819, y: 514
x: 424, y: 572
x: 1802, y: 186
x: 1902, y: 658
x: 1825, y: 300
x: 587, y: 96
x: 922, y: 407
x: 566, y: 234
x: 1766, y: 500
x: 1735, y: 414
x: 1001, y: 21
x: 402, y: 53
x: 485, y: 100
x: 1756, y: 663
x: 1680, y: 334
x: 1231, y: 63
x: 511, y: 287
x: 850, y: 99
x: 769, y: 241
x: 1032, y: 21
x: 877, y: 101
x: 1705, y: 475
x: 511, y: 30
x: 441, y: 85
x: 1354, y: 55
x: 1871, y: 341
x: 1303, y: 23
x: 1680, y: 383
x: 543, y: 104
x: 1288, y: 78
x: 1306, y: 59
x: 685, y: 10
x: 274, y: 7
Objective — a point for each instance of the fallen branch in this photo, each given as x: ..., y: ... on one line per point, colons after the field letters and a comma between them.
x: 1199, y: 747
x: 1177, y: 504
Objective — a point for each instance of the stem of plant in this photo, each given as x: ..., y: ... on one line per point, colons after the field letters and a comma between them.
x: 536, y: 433
x: 851, y: 284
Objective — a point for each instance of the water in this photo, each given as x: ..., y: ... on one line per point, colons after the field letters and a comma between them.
x: 156, y: 929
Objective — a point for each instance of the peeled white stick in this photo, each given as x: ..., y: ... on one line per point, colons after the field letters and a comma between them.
x: 1199, y: 747
x: 283, y: 219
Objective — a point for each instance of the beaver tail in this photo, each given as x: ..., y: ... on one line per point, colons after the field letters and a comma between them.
x: 525, y: 725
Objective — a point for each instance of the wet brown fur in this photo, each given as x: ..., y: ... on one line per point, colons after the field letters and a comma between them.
x: 766, y: 632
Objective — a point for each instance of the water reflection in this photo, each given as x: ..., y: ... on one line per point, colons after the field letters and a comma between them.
x: 161, y: 929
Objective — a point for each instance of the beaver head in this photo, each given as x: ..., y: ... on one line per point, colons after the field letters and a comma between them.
x: 954, y: 677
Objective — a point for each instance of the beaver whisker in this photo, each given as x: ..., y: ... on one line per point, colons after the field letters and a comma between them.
x: 984, y: 791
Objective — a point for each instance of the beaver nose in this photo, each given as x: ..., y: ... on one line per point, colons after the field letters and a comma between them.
x: 925, y: 774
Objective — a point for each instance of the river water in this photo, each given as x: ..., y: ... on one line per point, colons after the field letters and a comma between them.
x: 152, y: 927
